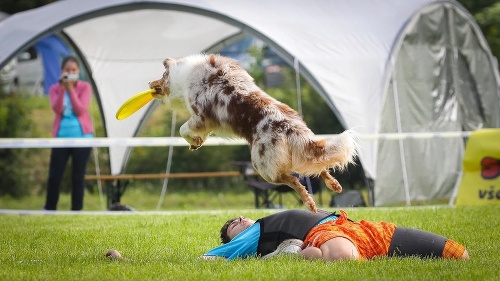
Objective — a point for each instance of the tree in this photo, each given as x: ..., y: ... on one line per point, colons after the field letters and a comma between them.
x: 487, y: 15
x: 15, y: 6
x: 489, y: 21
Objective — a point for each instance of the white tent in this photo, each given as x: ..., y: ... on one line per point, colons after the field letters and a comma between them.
x: 383, y: 66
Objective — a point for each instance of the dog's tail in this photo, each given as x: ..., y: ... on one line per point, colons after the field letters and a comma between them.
x: 335, y: 153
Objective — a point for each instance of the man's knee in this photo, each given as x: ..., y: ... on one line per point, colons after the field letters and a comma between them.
x: 465, y: 255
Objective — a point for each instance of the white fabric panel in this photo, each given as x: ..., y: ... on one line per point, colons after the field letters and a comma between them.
x: 343, y: 44
x: 439, y: 87
x: 126, y: 50
x: 344, y: 51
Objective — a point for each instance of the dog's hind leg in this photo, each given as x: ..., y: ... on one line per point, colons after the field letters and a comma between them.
x: 294, y: 183
x: 331, y: 182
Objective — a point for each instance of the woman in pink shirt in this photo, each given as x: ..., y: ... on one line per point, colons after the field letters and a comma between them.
x: 69, y: 99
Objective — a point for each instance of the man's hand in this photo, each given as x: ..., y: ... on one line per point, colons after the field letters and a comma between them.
x: 204, y: 257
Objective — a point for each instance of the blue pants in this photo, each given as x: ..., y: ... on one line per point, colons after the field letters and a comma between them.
x: 58, y: 159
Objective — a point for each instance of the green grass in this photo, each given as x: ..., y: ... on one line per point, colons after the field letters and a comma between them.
x: 165, y: 246
x: 147, y: 200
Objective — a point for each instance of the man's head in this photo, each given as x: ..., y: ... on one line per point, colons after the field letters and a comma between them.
x: 234, y: 227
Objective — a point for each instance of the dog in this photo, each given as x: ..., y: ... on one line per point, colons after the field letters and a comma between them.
x: 223, y: 99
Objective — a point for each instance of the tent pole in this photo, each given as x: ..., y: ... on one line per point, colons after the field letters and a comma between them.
x: 297, y: 85
x: 455, y: 189
x: 98, y: 173
x: 458, y: 92
x: 299, y: 106
x: 400, y: 141
x: 169, y: 161
x: 97, y: 166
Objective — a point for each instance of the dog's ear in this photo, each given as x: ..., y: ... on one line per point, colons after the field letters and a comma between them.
x: 168, y: 62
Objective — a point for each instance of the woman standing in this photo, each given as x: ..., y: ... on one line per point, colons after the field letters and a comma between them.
x: 69, y: 99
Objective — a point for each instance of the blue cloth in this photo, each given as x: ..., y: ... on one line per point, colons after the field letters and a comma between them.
x: 241, y: 246
x: 70, y: 126
x: 51, y: 49
x: 245, y: 244
x: 329, y: 218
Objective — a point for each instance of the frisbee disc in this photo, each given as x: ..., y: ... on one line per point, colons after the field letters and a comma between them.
x: 134, y: 103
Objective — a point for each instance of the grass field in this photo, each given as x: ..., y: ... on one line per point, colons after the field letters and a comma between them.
x: 143, y: 200
x: 165, y: 246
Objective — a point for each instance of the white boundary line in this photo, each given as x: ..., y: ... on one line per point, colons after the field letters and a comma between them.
x: 202, y: 212
x: 178, y: 141
x: 163, y: 213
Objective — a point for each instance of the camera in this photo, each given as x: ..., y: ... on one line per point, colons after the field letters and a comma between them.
x: 70, y: 77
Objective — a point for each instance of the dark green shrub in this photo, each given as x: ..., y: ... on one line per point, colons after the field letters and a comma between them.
x: 13, y: 162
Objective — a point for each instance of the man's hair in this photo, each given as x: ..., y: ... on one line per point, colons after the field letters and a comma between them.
x: 224, y: 238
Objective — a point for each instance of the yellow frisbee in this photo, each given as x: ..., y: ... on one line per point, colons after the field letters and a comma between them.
x: 134, y: 103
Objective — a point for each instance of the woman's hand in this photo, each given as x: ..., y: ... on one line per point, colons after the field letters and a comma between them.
x: 65, y: 83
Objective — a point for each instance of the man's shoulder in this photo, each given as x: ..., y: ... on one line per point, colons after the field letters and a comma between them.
x: 296, y: 213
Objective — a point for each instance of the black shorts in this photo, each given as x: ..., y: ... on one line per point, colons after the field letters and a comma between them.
x: 407, y: 242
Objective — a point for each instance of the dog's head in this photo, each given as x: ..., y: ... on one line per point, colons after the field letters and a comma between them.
x: 162, y: 85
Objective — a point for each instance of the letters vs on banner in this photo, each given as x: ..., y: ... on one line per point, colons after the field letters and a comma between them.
x: 480, y: 183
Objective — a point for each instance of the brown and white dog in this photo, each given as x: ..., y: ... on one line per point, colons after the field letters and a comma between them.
x: 223, y: 99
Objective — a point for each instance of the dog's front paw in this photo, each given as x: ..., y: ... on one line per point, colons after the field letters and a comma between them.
x: 196, y: 143
x: 312, y: 206
x: 194, y: 147
x: 334, y: 185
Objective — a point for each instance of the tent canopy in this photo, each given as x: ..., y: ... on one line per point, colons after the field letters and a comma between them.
x: 348, y: 50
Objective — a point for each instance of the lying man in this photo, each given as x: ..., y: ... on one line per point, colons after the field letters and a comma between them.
x: 328, y: 236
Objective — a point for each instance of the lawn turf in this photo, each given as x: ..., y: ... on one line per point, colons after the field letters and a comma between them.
x: 165, y: 246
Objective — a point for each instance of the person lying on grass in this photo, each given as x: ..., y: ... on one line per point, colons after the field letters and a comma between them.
x: 328, y: 236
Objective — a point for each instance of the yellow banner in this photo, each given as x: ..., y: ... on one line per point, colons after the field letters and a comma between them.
x: 480, y: 183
